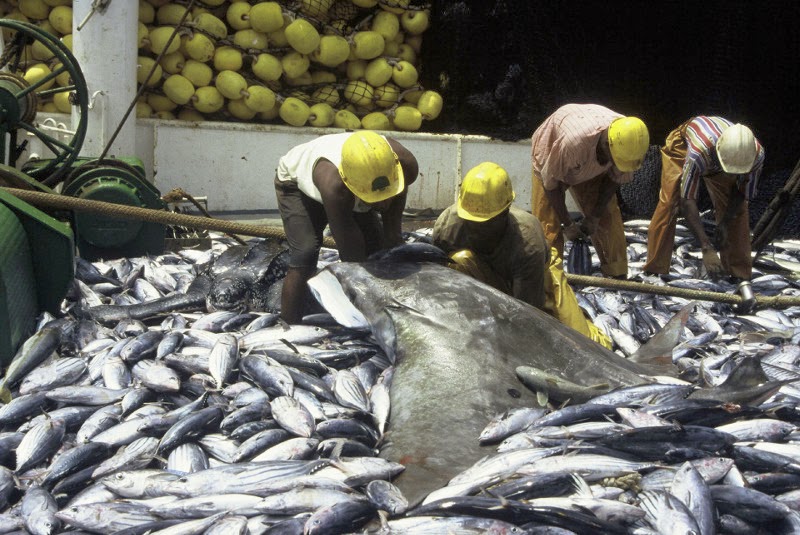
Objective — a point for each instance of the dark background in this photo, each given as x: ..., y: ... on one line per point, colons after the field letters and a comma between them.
x: 502, y: 66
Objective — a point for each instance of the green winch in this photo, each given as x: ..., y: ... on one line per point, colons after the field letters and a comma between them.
x: 119, y: 181
x: 37, y: 266
x: 36, y: 248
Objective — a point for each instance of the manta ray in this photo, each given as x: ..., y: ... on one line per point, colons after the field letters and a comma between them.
x: 456, y: 344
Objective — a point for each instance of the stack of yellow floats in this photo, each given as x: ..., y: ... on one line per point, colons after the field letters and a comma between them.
x: 344, y: 63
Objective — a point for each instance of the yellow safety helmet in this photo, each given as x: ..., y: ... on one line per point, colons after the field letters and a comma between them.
x: 628, y: 141
x: 485, y: 192
x: 370, y: 168
x: 736, y: 149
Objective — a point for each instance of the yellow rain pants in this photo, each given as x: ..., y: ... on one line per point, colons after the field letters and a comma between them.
x: 609, y: 239
x: 471, y: 264
x: 560, y: 301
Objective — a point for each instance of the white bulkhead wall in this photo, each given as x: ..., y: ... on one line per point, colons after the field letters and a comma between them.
x: 233, y: 164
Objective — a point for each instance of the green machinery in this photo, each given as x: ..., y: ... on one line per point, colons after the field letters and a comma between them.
x: 36, y: 249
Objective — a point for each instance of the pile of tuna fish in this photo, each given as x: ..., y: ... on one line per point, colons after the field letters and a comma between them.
x: 227, y: 422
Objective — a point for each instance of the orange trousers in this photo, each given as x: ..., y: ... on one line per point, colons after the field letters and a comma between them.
x: 608, y: 240
x: 735, y: 256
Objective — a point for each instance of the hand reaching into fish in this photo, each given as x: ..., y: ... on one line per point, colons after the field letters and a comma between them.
x: 712, y: 263
x: 573, y: 231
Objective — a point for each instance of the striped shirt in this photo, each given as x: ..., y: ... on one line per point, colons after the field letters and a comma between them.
x: 701, y: 137
x: 564, y: 147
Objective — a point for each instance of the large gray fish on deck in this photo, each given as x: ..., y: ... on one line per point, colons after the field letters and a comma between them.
x: 456, y: 344
x: 239, y: 279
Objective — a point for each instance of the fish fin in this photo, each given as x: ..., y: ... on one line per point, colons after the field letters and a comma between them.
x: 582, y: 487
x: 159, y: 458
x: 383, y: 518
x: 5, y: 394
x: 336, y: 463
x: 702, y: 382
x: 747, y: 373
x: 542, y: 398
x: 336, y: 454
x: 290, y: 346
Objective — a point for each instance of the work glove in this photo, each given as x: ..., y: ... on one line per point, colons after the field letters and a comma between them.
x: 712, y: 263
x: 573, y: 231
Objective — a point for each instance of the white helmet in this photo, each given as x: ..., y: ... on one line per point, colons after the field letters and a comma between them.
x: 736, y: 149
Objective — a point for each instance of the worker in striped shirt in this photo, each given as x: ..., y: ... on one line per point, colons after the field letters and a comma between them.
x: 729, y: 160
x: 590, y: 150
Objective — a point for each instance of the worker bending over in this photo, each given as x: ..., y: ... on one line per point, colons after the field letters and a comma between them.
x: 729, y: 159
x: 494, y: 242
x: 589, y: 150
x: 354, y: 182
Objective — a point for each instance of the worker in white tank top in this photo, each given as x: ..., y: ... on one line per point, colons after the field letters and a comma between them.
x: 355, y: 183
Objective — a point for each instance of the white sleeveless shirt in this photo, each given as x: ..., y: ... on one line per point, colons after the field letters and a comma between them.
x: 298, y: 164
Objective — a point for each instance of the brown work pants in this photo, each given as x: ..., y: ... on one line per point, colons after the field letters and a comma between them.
x: 608, y: 240
x: 735, y: 256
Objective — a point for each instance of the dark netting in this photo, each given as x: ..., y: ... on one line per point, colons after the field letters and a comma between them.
x: 502, y: 66
x: 769, y: 186
x: 638, y: 198
x: 343, y: 10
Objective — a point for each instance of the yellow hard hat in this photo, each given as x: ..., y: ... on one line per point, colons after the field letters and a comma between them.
x: 736, y: 149
x: 370, y: 168
x: 485, y: 192
x: 628, y: 141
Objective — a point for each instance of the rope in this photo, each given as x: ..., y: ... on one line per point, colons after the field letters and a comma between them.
x: 163, y: 217
x: 762, y: 301
x: 178, y: 194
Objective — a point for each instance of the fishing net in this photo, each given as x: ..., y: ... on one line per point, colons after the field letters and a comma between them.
x: 503, y: 66
x: 768, y: 186
x: 637, y: 199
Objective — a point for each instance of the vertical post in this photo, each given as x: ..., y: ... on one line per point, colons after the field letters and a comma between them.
x: 106, y: 52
